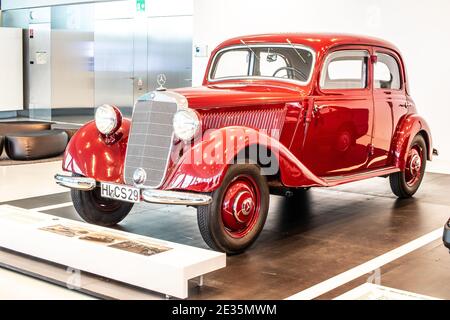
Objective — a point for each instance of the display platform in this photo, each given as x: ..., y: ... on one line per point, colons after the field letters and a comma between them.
x: 145, y: 262
x: 371, y: 291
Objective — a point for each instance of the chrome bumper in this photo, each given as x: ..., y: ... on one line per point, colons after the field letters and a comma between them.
x: 148, y: 195
x: 79, y: 183
x: 175, y: 197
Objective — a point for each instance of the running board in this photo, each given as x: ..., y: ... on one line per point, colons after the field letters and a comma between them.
x: 337, y: 180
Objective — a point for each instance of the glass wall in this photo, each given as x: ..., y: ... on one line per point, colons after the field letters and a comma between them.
x: 83, y: 55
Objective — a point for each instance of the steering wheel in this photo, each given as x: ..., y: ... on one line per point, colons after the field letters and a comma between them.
x: 301, y: 73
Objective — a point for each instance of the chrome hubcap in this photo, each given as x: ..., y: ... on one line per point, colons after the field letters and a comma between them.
x: 414, y: 166
x: 416, y: 163
x: 240, y: 206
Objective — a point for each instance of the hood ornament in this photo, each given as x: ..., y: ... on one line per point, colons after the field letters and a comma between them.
x: 161, y: 79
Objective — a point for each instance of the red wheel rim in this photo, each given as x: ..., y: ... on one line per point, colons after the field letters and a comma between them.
x: 240, y: 206
x: 414, y: 163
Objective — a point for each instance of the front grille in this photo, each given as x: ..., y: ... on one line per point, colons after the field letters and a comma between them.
x: 150, y: 140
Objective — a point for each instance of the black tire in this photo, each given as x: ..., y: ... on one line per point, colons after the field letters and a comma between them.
x: 209, y: 217
x: 398, y: 181
x: 97, y: 210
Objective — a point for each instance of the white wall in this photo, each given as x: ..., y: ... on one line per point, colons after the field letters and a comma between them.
x: 11, y: 66
x: 420, y: 29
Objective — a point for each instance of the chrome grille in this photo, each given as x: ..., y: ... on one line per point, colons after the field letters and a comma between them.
x: 150, y: 140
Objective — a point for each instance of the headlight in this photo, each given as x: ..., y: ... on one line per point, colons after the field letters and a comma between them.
x: 107, y: 119
x: 186, y: 124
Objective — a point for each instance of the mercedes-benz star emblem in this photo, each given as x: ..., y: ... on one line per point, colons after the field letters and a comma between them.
x: 161, y: 79
x: 139, y: 176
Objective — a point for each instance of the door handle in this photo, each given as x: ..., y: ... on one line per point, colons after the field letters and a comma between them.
x: 316, y: 109
x: 406, y: 105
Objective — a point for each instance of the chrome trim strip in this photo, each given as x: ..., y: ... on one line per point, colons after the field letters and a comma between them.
x: 359, y: 174
x: 79, y: 183
x: 273, y: 45
x: 175, y: 197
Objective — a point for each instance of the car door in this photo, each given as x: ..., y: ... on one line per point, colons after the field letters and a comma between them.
x: 338, y: 138
x: 390, y: 104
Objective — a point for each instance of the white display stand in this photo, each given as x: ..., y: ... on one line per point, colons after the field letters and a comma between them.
x: 168, y: 272
x: 371, y: 291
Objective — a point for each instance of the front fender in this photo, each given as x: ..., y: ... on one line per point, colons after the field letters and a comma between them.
x: 89, y: 154
x: 408, y: 128
x: 203, y: 166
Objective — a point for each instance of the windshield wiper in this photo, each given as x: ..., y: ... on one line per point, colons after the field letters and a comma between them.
x: 248, y: 47
x: 301, y: 57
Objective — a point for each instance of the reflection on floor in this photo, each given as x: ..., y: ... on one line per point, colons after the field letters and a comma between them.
x: 311, y: 239
x: 21, y: 287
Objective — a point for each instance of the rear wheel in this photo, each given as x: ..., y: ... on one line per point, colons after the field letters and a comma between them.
x: 236, y: 217
x: 95, y: 209
x: 405, y: 184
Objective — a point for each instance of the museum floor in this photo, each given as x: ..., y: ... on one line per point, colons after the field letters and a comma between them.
x: 307, y: 241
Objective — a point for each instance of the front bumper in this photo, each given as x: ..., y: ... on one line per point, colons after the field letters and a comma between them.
x: 446, y: 236
x: 148, y: 195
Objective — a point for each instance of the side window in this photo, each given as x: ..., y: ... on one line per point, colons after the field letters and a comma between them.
x: 387, y: 73
x: 346, y: 69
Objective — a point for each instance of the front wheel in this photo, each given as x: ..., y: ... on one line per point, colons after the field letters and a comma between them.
x: 236, y: 217
x: 95, y: 209
x: 405, y: 184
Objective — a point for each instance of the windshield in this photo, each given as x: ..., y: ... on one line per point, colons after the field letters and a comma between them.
x: 278, y: 61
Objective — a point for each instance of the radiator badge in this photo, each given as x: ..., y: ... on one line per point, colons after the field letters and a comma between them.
x: 139, y: 176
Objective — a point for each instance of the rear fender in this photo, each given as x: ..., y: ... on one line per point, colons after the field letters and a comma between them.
x: 92, y: 155
x: 408, y: 128
x: 203, y: 166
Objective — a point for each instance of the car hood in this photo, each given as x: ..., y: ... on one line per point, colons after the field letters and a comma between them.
x: 225, y: 95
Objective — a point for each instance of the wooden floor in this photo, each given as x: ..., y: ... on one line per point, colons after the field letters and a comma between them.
x: 313, y: 238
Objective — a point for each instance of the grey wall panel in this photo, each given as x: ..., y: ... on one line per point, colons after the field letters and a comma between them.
x: 170, y: 51
x: 73, y: 56
x: 39, y: 57
x: 115, y: 10
x: 114, y: 77
x: 158, y: 7
x: 75, y: 17
x: 161, y: 8
x: 72, y: 69
x: 140, y: 57
x: 19, y: 4
x: 22, y: 18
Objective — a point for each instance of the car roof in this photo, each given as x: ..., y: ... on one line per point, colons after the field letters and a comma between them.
x: 317, y: 41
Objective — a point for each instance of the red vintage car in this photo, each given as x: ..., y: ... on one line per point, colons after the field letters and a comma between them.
x: 276, y: 113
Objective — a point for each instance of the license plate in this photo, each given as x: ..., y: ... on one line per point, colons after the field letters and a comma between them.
x: 120, y: 192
